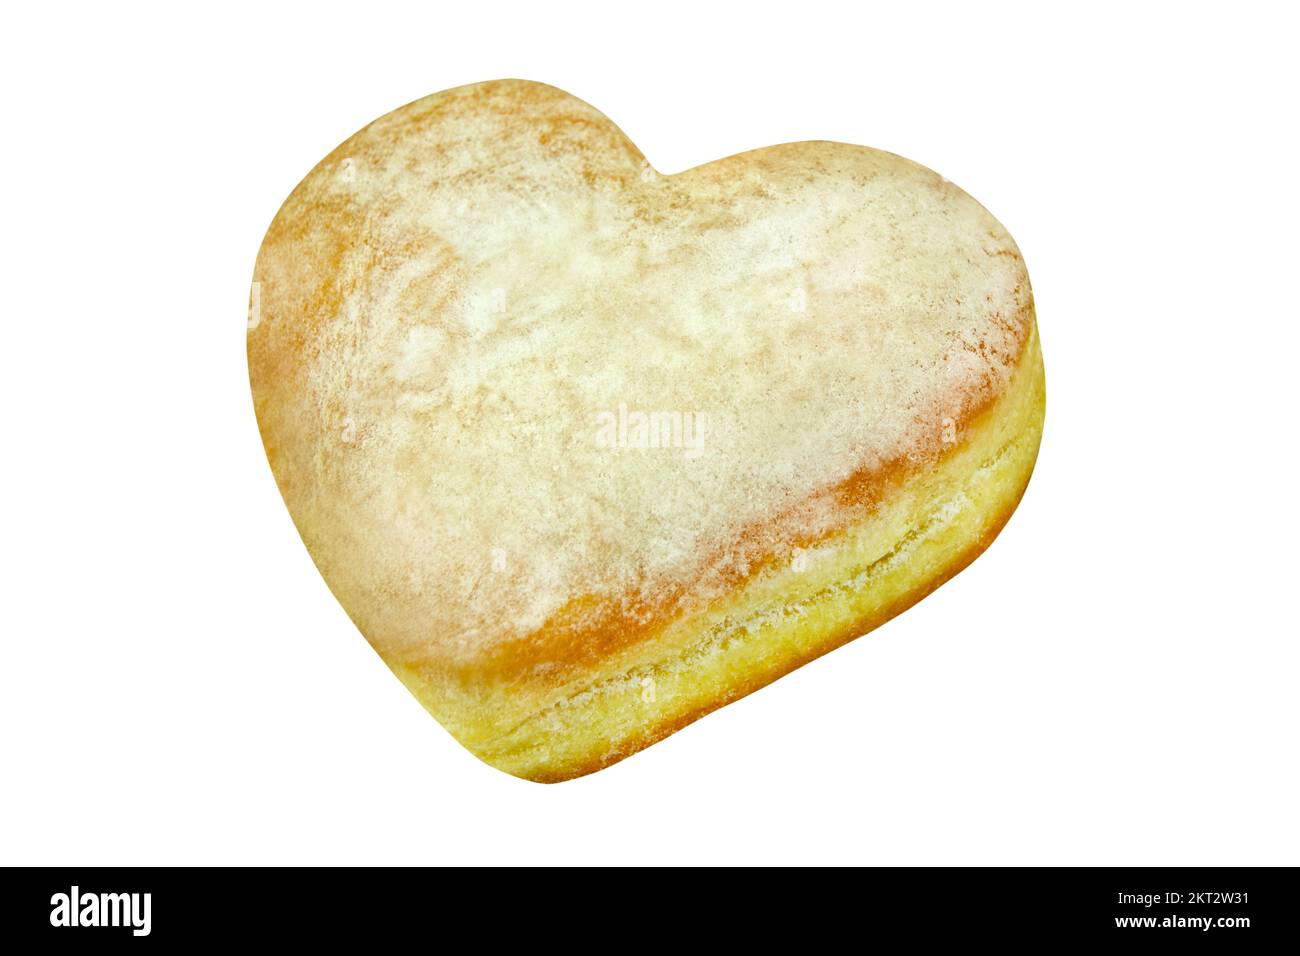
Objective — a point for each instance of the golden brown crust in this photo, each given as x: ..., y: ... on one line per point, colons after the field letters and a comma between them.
x: 455, y: 296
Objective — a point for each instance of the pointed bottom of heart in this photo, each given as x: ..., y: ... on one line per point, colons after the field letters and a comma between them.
x: 934, y: 522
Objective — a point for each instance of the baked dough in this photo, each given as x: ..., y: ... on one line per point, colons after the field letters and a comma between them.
x: 587, y: 451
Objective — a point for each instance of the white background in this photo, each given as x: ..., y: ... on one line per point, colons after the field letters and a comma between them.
x: 1114, y: 682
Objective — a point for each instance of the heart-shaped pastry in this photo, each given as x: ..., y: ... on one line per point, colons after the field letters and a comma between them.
x: 587, y: 451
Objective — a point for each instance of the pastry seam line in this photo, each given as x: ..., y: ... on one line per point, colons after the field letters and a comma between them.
x: 727, y: 632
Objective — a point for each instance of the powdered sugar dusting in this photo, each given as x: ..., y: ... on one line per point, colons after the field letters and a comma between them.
x: 503, y: 273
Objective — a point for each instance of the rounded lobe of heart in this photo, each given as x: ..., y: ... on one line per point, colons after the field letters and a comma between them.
x: 460, y: 299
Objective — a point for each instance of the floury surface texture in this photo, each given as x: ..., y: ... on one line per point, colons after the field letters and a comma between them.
x: 550, y: 422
